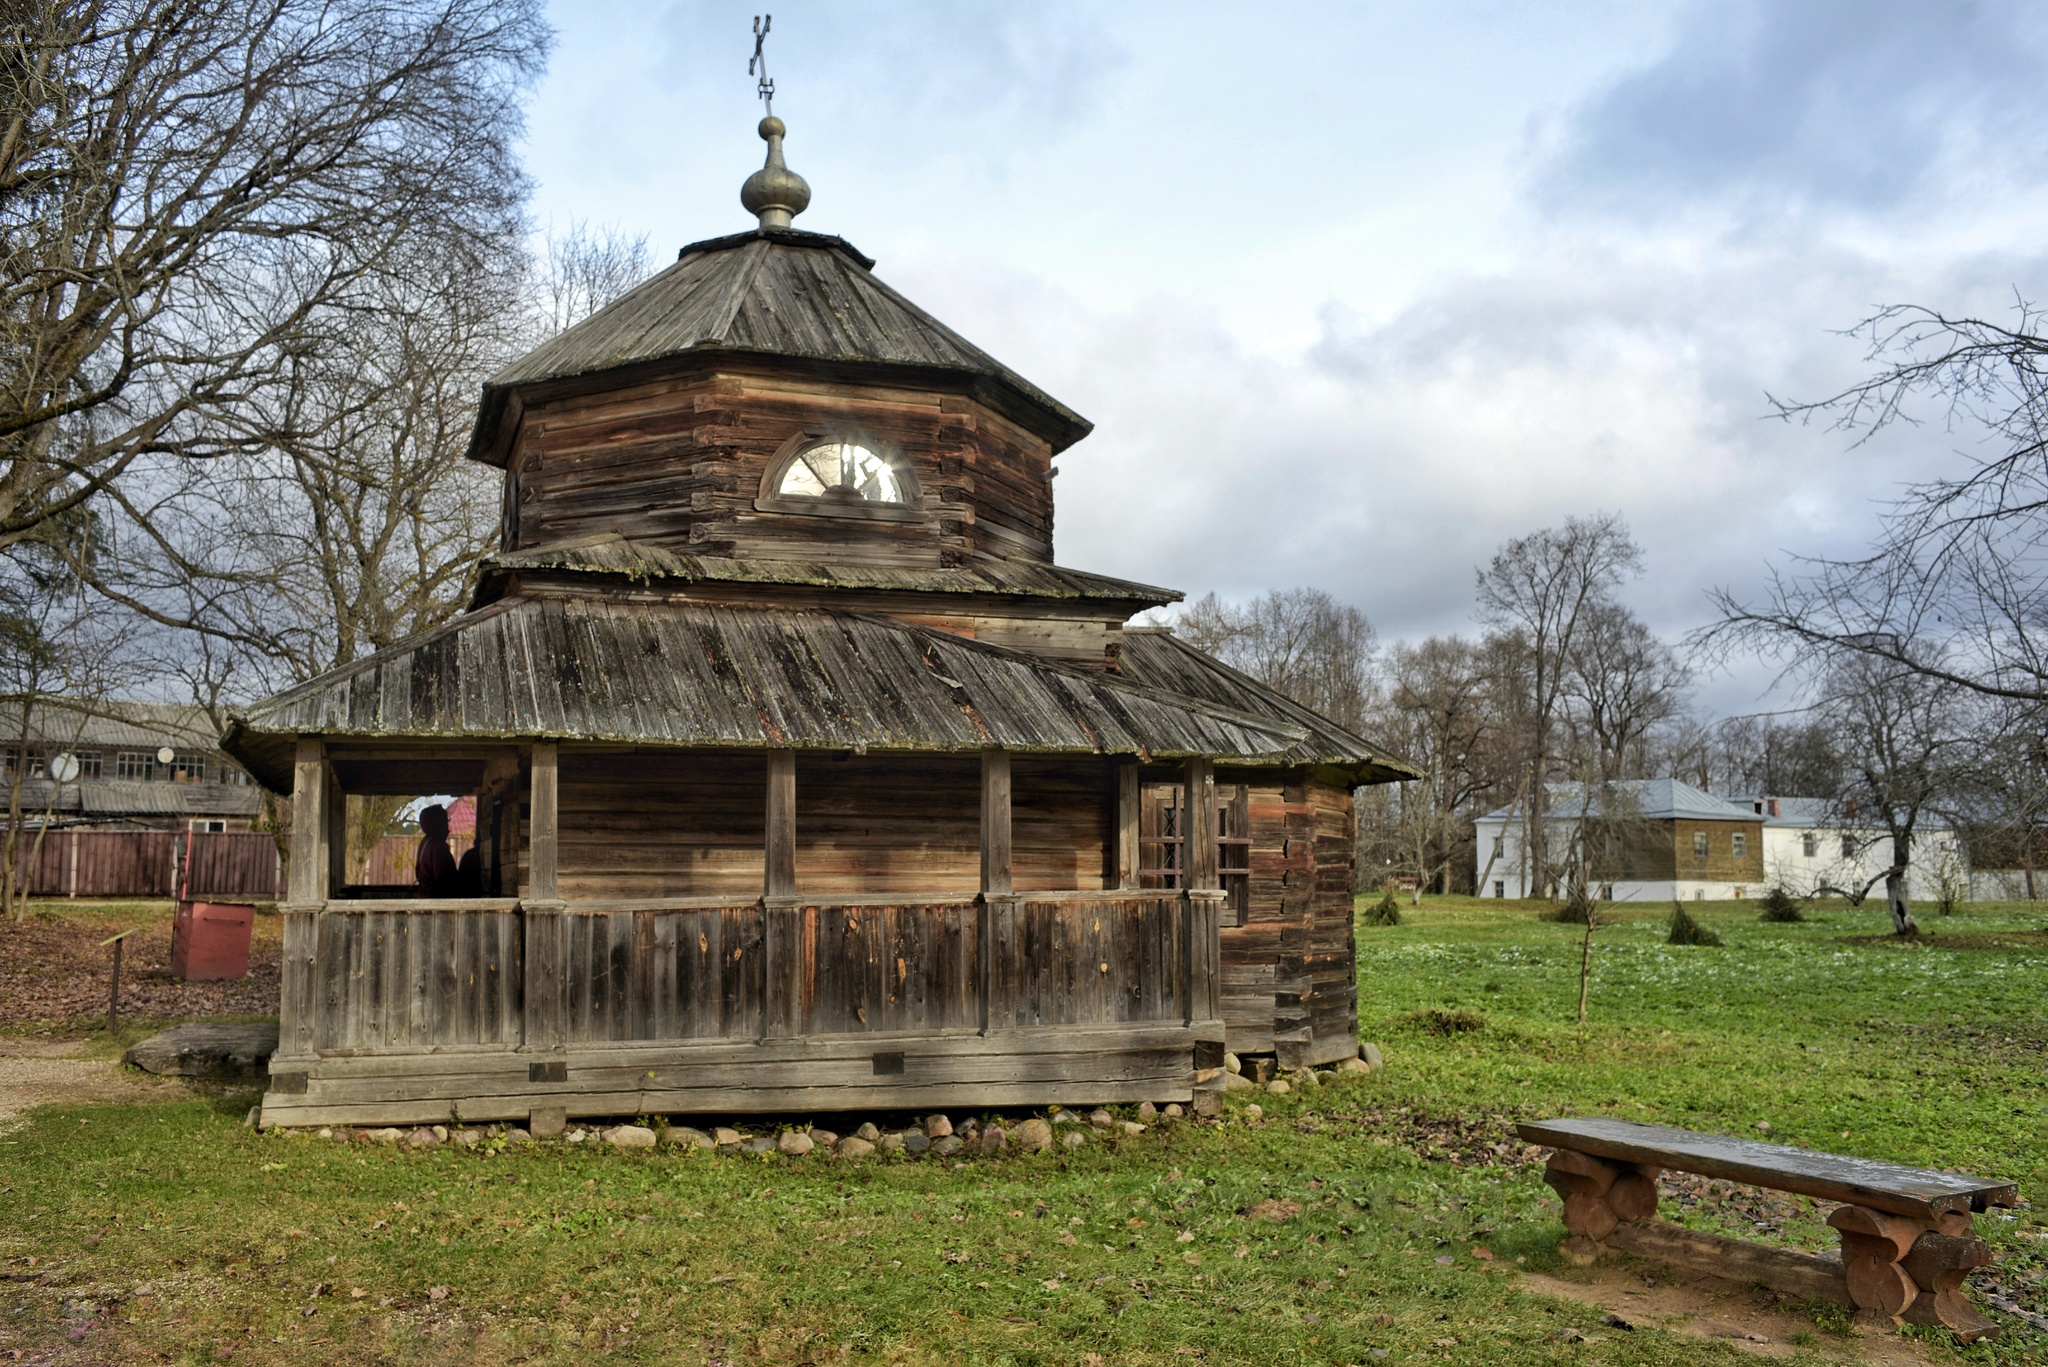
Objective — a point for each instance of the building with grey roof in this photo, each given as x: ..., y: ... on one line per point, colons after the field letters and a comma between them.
x: 124, y: 765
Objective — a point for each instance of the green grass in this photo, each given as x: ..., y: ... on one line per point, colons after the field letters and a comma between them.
x: 1925, y: 1054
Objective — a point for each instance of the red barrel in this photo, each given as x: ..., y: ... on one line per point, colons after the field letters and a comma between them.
x: 210, y: 941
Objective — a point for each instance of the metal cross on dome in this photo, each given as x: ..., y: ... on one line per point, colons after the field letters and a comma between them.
x: 759, y: 60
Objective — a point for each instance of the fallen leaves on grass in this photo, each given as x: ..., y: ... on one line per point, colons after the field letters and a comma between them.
x: 54, y: 972
x: 1270, y: 1209
x: 1481, y: 1139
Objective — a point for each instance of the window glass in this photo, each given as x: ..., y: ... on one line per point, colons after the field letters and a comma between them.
x: 1739, y: 845
x: 840, y: 469
x: 1699, y: 844
x: 1809, y: 844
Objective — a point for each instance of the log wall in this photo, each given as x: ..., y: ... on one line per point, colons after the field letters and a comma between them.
x: 1289, y: 971
x: 680, y: 463
x: 662, y: 824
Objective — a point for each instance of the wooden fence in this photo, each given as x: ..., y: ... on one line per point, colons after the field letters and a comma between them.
x: 223, y: 865
x: 391, y: 858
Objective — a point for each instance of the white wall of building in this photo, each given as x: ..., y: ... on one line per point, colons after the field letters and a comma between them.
x: 1803, y: 860
x: 1937, y: 859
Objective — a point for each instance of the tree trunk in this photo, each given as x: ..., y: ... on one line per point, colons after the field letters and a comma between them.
x: 1895, y: 898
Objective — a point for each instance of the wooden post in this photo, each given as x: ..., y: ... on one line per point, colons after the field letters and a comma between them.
x: 310, y: 824
x: 779, y: 876
x: 995, y: 823
x: 308, y: 887
x: 1199, y: 851
x: 1127, y: 818
x: 497, y: 792
x: 997, y: 924
x: 782, y: 958
x: 1202, y: 902
x: 71, y: 881
x: 543, y: 877
x: 543, y: 1027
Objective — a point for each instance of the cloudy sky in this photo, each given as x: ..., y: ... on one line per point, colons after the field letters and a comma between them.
x: 1353, y: 293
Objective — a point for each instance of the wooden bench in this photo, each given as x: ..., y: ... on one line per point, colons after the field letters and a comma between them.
x: 1906, y: 1240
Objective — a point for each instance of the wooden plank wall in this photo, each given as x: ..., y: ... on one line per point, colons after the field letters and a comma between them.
x: 108, y: 864
x: 395, y: 979
x: 878, y: 825
x: 655, y: 975
x: 1112, y: 959
x: 913, y: 967
x: 655, y: 823
x: 1063, y: 824
x: 680, y: 463
x: 1332, y: 961
x: 416, y: 979
x: 223, y: 865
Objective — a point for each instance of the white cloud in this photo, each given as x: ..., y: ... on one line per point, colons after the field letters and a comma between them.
x: 1352, y: 297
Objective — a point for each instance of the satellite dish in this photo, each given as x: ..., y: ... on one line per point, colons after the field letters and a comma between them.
x: 64, y: 767
x: 166, y: 755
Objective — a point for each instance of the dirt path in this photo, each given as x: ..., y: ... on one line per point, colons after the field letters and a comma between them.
x: 39, y: 1072
x: 1746, y: 1317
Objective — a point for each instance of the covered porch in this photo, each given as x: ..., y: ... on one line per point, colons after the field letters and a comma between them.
x: 725, y: 931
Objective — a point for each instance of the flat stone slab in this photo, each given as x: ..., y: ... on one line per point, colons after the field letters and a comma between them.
x: 228, y: 1052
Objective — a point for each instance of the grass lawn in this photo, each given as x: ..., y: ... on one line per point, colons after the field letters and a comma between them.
x: 169, y: 1232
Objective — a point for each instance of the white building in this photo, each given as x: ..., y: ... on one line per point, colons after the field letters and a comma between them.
x: 1666, y: 840
x: 1816, y: 847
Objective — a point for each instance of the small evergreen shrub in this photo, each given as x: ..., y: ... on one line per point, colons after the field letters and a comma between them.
x: 1779, y: 905
x: 1686, y: 931
x: 1447, y: 1020
x: 1577, y: 909
x: 1385, y: 912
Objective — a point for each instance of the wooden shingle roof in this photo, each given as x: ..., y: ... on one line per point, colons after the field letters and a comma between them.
x: 611, y: 556
x: 773, y: 292
x: 688, y: 675
x: 1156, y: 658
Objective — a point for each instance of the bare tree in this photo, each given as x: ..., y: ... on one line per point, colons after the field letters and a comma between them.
x: 1909, y: 740
x: 1541, y: 590
x: 194, y: 193
x: 1301, y: 642
x: 1620, y: 684
x: 1962, y: 560
x: 580, y: 271
x: 62, y: 653
x: 360, y: 523
x: 1441, y: 709
x: 2006, y: 822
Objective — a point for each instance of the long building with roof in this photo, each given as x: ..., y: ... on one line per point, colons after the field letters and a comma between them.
x: 1662, y: 839
x: 123, y: 765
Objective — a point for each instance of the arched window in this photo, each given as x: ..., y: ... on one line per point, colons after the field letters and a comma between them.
x: 827, y: 475
x: 840, y: 469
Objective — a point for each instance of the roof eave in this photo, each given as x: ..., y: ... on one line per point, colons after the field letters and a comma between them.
x: 501, y: 405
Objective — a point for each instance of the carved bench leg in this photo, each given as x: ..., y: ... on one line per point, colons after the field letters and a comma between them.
x: 1598, y: 1195
x: 1905, y: 1270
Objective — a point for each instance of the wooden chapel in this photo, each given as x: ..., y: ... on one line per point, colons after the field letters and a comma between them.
x: 806, y: 780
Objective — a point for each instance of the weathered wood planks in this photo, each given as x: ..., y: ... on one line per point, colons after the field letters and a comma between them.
x: 1921, y: 1193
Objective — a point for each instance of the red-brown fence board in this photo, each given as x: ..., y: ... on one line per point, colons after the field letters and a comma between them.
x: 103, y: 864
x: 391, y: 858
x: 223, y: 865
x: 228, y: 865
